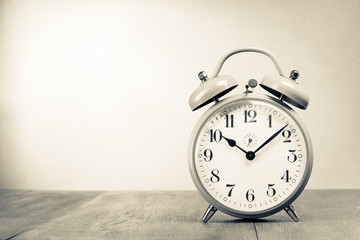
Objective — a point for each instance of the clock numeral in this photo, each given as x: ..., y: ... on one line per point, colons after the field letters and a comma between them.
x: 271, y: 191
x: 215, y: 177
x: 251, y: 114
x: 208, y: 155
x: 286, y: 176
x: 215, y: 135
x: 270, y: 121
x: 231, y: 186
x: 229, y: 121
x: 286, y: 134
x: 250, y: 195
x: 292, y: 158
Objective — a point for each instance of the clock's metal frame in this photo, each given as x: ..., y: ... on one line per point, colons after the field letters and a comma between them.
x: 203, y: 120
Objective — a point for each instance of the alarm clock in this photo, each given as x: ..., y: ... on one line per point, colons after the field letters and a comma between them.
x: 249, y: 155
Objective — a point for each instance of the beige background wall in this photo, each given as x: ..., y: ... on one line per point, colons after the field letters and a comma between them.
x: 94, y: 94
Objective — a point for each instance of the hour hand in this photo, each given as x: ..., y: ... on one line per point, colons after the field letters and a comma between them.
x: 232, y: 143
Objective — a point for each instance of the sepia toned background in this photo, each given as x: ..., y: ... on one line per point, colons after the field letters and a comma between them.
x: 94, y: 94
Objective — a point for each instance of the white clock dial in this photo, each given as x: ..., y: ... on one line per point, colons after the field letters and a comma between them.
x: 250, y: 156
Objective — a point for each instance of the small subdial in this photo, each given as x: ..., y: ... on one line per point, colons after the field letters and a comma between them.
x: 250, y: 140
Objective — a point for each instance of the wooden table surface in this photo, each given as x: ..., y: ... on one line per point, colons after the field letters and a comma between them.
x: 25, y: 214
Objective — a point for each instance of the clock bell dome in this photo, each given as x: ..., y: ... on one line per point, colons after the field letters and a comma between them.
x: 287, y: 89
x: 211, y: 90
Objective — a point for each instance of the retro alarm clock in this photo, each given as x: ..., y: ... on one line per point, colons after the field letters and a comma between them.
x: 249, y: 154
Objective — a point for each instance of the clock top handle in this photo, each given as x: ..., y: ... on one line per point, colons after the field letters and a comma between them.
x: 233, y: 52
x: 286, y: 89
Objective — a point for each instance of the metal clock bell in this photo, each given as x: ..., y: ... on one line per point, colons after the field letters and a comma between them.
x: 250, y: 155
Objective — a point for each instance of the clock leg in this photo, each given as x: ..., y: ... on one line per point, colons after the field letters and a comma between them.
x: 210, y: 211
x: 290, y: 210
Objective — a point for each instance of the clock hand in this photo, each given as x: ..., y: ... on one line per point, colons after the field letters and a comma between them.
x: 232, y: 143
x: 250, y: 140
x: 271, y: 138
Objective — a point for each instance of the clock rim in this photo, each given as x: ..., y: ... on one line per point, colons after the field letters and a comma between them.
x: 233, y: 212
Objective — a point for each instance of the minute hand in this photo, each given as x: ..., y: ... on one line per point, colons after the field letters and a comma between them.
x: 271, y: 138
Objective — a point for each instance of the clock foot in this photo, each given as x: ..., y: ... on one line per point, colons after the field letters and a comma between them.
x: 290, y: 210
x: 210, y: 211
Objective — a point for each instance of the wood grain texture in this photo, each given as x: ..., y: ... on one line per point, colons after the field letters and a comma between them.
x: 324, y: 214
x: 22, y: 210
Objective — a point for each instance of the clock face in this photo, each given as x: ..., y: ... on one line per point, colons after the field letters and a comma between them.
x: 250, y: 157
